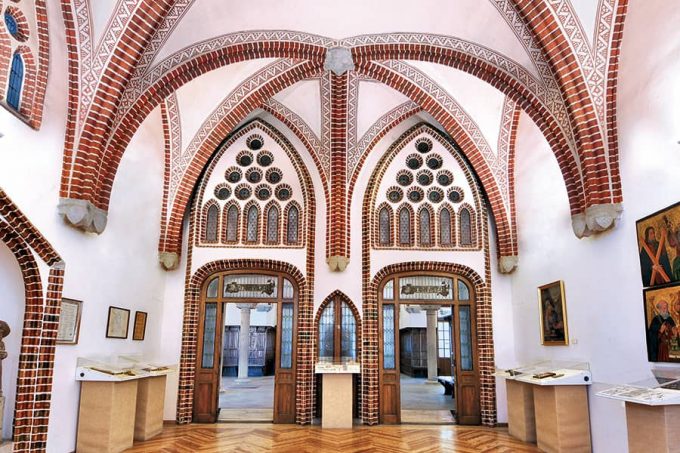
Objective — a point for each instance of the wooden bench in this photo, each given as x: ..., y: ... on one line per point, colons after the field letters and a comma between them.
x: 447, y: 382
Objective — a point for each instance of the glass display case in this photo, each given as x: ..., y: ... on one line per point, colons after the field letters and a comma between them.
x: 120, y: 368
x: 549, y: 372
x: 660, y: 389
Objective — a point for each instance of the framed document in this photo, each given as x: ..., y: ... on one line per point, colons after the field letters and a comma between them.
x: 139, y: 328
x: 69, y: 321
x: 118, y: 322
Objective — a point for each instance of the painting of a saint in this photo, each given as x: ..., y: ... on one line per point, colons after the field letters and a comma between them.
x: 659, y: 246
x: 662, y: 318
x: 553, y: 314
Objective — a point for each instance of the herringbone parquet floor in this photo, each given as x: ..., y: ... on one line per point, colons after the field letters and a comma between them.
x: 255, y: 438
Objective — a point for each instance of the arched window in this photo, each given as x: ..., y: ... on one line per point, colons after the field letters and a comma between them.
x: 273, y: 225
x: 232, y: 224
x: 252, y: 224
x: 16, y: 80
x: 293, y: 225
x: 211, y: 224
x: 337, y: 345
x: 385, y: 226
x: 465, y: 227
x: 425, y: 224
x: 445, y: 228
x: 405, y: 227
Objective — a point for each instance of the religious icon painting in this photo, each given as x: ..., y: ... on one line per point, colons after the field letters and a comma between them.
x: 659, y: 246
x: 552, y: 310
x: 662, y: 323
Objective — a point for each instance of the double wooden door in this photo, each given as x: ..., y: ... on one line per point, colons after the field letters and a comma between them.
x: 251, y: 288
x: 430, y: 289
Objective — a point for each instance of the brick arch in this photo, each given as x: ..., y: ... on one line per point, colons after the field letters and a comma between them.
x: 485, y: 352
x: 5, y: 59
x: 41, y: 315
x: 192, y: 297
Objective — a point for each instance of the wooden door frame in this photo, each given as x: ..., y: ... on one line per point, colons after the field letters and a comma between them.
x: 455, y: 305
x: 222, y: 302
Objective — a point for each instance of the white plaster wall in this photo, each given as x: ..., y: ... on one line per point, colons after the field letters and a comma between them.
x: 304, y: 99
x: 602, y: 274
x: 375, y: 99
x: 12, y: 304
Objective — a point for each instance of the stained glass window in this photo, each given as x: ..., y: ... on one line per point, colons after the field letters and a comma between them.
x: 16, y: 79
x: 388, y: 337
x: 348, y: 334
x: 388, y: 290
x: 232, y: 224
x: 465, y: 339
x: 11, y: 24
x: 426, y: 287
x: 445, y: 227
x: 293, y: 225
x: 385, y: 227
x: 425, y: 236
x: 404, y: 227
x: 273, y: 225
x: 463, y: 291
x: 326, y: 332
x: 251, y: 231
x: 212, y: 288
x: 288, y: 290
x: 209, y: 324
x: 211, y: 224
x: 465, y: 227
x: 287, y: 335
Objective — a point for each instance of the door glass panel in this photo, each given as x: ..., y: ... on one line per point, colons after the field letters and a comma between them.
x: 349, y: 334
x: 250, y: 286
x: 426, y: 287
x: 388, y: 290
x: 388, y: 337
x: 444, y: 339
x: 288, y: 290
x: 465, y: 339
x: 212, y: 288
x: 208, y: 358
x: 463, y: 291
x: 287, y: 335
x: 326, y: 325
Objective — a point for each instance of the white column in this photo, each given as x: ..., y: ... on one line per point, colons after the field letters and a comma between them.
x: 244, y: 342
x: 431, y: 311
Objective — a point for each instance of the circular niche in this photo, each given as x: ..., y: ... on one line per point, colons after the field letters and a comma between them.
x: 445, y: 177
x: 274, y: 175
x: 254, y: 175
x: 244, y: 158
x: 424, y: 177
x: 284, y: 192
x: 395, y: 194
x: 434, y: 161
x: 415, y: 195
x: 404, y: 178
x: 265, y: 158
x: 435, y: 195
x: 255, y: 142
x: 455, y: 194
x: 423, y: 145
x: 263, y: 192
x: 414, y: 161
x: 222, y: 192
x: 243, y: 192
x: 233, y: 175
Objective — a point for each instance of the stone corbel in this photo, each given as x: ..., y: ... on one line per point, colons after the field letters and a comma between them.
x: 596, y: 219
x: 169, y: 260
x: 507, y: 264
x: 338, y: 60
x: 83, y: 215
x: 337, y: 263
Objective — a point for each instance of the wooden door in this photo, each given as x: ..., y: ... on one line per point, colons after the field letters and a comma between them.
x: 390, y: 399
x: 207, y: 381
x: 467, y: 364
x: 284, y: 381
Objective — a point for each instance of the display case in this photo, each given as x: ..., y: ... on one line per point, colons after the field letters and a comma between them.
x: 652, y: 410
x: 120, y: 368
x: 550, y: 372
x: 337, y: 392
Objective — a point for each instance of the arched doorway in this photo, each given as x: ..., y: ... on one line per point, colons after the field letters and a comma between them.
x: 248, y: 289
x: 429, y: 291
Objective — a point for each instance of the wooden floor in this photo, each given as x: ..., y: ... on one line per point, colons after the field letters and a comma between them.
x: 254, y: 438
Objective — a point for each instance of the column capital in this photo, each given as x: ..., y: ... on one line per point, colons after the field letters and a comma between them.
x: 246, y: 306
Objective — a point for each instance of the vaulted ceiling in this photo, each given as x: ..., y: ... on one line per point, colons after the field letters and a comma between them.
x: 341, y: 76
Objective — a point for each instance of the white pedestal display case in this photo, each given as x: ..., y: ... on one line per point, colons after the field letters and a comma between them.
x: 337, y: 395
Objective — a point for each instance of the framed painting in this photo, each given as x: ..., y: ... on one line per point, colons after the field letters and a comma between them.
x: 662, y: 323
x: 139, y: 329
x: 658, y: 237
x: 117, y: 323
x: 552, y: 308
x: 69, y: 321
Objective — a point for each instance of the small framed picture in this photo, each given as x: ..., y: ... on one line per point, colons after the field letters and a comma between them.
x: 69, y: 321
x: 552, y: 308
x: 139, y: 328
x: 118, y: 322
